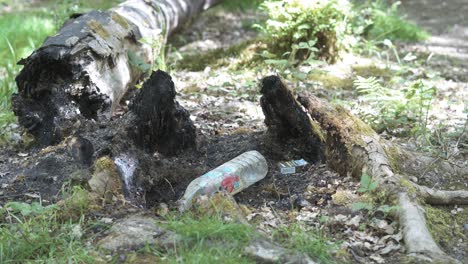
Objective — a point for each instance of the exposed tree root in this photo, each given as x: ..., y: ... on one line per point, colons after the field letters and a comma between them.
x: 437, y: 197
x: 418, y: 241
x: 350, y: 147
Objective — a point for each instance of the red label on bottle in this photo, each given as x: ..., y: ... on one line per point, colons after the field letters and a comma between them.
x: 230, y: 183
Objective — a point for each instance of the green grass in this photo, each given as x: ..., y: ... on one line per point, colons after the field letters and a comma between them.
x: 388, y: 23
x: 42, y: 240
x: 20, y: 33
x: 44, y: 234
x: 209, y: 240
x: 312, y: 243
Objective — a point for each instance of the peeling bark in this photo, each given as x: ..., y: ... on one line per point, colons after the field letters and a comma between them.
x: 83, y: 71
x: 351, y: 147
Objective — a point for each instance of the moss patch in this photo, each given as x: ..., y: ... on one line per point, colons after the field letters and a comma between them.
x: 392, y: 154
x: 372, y: 70
x: 98, y: 28
x: 242, y: 54
x: 445, y: 227
x: 332, y: 82
x: 120, y: 20
x: 409, y: 186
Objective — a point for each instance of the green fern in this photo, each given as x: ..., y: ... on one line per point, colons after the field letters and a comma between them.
x: 367, y: 85
x: 394, y: 109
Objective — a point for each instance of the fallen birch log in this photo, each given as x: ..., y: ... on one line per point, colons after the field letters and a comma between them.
x: 83, y: 71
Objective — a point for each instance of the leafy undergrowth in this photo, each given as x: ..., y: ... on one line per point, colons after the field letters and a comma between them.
x: 387, y: 23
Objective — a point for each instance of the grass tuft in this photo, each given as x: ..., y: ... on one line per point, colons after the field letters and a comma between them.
x: 37, y: 233
x: 209, y: 240
x: 310, y: 242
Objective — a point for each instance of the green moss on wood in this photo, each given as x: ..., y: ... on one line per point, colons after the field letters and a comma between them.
x: 98, y: 28
x: 120, y: 20
x: 392, y: 154
x: 408, y: 185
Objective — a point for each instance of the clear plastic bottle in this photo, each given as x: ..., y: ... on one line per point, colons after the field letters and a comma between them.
x: 233, y: 176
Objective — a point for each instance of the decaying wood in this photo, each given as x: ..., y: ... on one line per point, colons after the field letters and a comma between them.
x: 155, y: 123
x: 83, y: 71
x: 160, y: 123
x: 351, y: 147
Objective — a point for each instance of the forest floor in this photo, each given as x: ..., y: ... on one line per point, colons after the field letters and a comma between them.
x: 223, y: 100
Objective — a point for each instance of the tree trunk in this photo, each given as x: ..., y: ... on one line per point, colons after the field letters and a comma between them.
x: 82, y: 72
x: 351, y: 147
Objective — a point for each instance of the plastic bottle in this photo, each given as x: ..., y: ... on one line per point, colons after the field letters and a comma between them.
x: 233, y: 176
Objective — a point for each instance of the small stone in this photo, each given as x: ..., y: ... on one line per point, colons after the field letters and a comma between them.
x: 106, y: 179
x: 162, y: 210
x: 300, y: 203
x: 306, y: 216
x: 465, y: 226
x: 413, y: 179
x: 135, y: 232
x: 77, y: 232
x: 71, y: 41
x: 340, y: 218
x: 82, y: 150
x: 107, y: 220
x: 266, y: 252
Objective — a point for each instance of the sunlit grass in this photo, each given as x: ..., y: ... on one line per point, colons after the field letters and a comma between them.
x: 20, y: 34
x: 33, y: 233
x: 209, y: 239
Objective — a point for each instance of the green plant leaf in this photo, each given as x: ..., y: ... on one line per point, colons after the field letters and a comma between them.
x: 23, y: 208
x: 372, y: 186
x: 361, y: 206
